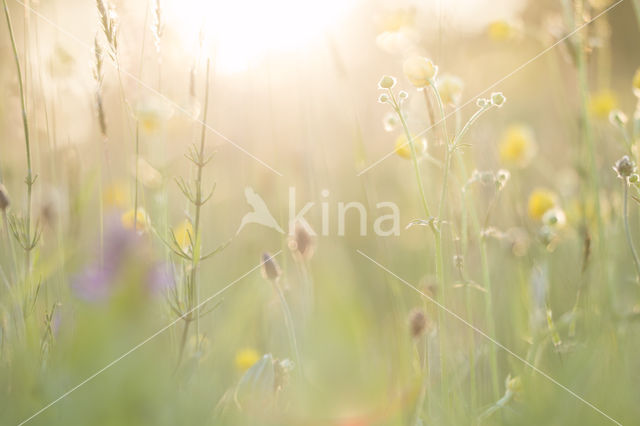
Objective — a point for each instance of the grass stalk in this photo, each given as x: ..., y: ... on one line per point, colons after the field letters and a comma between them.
x: 627, y: 230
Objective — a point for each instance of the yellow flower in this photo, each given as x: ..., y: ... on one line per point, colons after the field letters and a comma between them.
x: 142, y: 222
x: 148, y: 175
x: 602, y: 102
x: 184, y: 234
x: 116, y: 195
x: 245, y: 358
x: 636, y: 83
x: 152, y: 114
x: 398, y: 19
x: 403, y: 149
x: 419, y: 70
x: 500, y: 30
x: 450, y: 89
x: 540, y: 201
x: 517, y: 145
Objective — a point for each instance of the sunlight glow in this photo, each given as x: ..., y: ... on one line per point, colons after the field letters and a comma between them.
x: 242, y: 32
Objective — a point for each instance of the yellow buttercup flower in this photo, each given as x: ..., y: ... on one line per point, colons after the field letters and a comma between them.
x: 184, y: 234
x: 540, y: 201
x: 517, y: 145
x: 635, y: 84
x: 116, y: 195
x: 500, y: 30
x: 419, y: 71
x: 450, y: 89
x: 142, y: 222
x: 601, y: 103
x: 245, y: 358
x: 403, y: 149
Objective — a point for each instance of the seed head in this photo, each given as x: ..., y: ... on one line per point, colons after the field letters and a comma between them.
x: 618, y: 118
x: 624, y: 167
x: 270, y: 269
x: 387, y: 82
x: 301, y: 243
x: 419, y: 70
x: 417, y: 322
x: 4, y: 198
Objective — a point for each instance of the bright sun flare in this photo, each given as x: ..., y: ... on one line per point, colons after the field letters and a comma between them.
x: 242, y: 32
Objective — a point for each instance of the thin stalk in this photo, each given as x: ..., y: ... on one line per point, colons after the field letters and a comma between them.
x: 636, y: 8
x: 29, y: 179
x: 135, y: 179
x: 288, y: 319
x: 436, y: 233
x: 195, y: 291
x: 627, y: 229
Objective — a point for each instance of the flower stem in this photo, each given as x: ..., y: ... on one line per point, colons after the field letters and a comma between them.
x: 29, y: 179
x: 627, y: 230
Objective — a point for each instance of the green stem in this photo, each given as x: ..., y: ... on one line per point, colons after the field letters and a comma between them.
x: 627, y: 229
x: 29, y: 179
x: 288, y: 319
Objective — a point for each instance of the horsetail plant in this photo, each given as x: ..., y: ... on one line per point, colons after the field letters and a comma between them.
x: 189, y: 246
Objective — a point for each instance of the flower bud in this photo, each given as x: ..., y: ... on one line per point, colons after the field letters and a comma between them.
x: 270, y: 269
x: 387, y: 82
x: 498, y: 99
x: 417, y: 322
x: 624, y: 167
x: 383, y: 99
x: 419, y: 71
x: 4, y: 198
x: 402, y: 95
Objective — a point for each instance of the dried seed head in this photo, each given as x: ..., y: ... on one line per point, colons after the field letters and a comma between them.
x: 624, y: 167
x: 387, y: 82
x: 4, y: 198
x: 270, y: 269
x: 301, y: 242
x: 417, y: 322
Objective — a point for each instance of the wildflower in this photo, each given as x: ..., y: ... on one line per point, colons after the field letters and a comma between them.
x: 390, y: 121
x: 540, y: 201
x: 301, y: 242
x: 142, y: 220
x: 517, y: 146
x: 417, y: 322
x: 419, y: 70
x: 624, y: 167
x: 618, y: 118
x: 501, y: 30
x: 450, y: 89
x: 403, y: 149
x: 116, y: 195
x: 184, y: 234
x: 554, y: 217
x: 152, y: 114
x: 635, y: 84
x: 601, y: 103
x: 387, y: 82
x: 245, y: 359
x: 270, y: 269
x: 5, y: 201
x: 498, y: 99
x: 148, y: 175
x: 502, y: 177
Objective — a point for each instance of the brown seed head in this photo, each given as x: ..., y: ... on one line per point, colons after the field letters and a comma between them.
x: 270, y: 269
